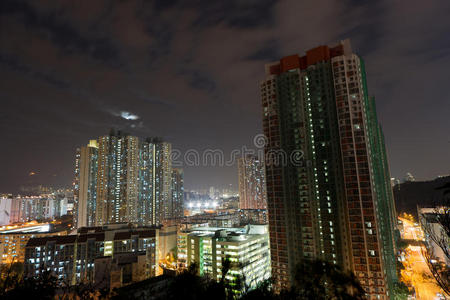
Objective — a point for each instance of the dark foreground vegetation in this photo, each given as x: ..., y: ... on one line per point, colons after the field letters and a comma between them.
x: 313, y: 280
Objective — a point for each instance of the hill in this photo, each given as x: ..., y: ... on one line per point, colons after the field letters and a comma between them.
x: 408, y: 195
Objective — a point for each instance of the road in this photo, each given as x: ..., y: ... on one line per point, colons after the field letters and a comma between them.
x: 416, y: 272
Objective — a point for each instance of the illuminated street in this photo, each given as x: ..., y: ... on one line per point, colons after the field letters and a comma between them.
x: 416, y: 272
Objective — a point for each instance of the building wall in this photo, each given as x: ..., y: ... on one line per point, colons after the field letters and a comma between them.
x: 121, y: 178
x: 249, y: 253
x: 252, y: 183
x: 428, y: 222
x: 177, y: 199
x: 333, y: 203
x: 87, y: 186
x: 364, y: 226
x: 167, y: 243
x: 13, y: 245
x: 72, y: 258
x: 29, y: 208
x: 5, y: 210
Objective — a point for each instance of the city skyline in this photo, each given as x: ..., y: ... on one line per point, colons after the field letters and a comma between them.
x: 68, y: 75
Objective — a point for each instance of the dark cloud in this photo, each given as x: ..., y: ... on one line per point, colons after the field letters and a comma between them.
x: 190, y: 71
x: 64, y: 35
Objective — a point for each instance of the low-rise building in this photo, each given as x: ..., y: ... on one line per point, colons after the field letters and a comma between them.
x: 228, y: 220
x: 121, y: 269
x: 83, y: 256
x: 247, y: 248
x: 436, y: 236
x: 14, y: 238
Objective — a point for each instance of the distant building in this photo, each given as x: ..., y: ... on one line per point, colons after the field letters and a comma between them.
x: 28, y: 208
x: 86, y: 185
x: 117, y: 179
x: 5, y: 210
x: 212, y: 192
x: 175, y: 209
x: 394, y: 182
x: 409, y: 177
x: 254, y: 216
x: 225, y: 220
x: 74, y: 257
x: 252, y: 183
x: 122, y: 178
x: 247, y: 248
x: 13, y: 239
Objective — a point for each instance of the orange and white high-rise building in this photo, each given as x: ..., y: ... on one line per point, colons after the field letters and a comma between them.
x: 334, y: 202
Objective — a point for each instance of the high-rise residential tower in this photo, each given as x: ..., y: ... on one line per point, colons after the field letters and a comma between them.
x: 117, y: 179
x: 176, y: 205
x: 155, y: 181
x: 335, y: 202
x: 86, y: 192
x: 123, y: 179
x: 252, y: 183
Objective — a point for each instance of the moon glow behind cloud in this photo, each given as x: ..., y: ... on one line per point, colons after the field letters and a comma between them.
x: 128, y: 116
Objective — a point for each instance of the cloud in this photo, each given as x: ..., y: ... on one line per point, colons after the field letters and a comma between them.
x: 189, y: 71
x: 128, y: 116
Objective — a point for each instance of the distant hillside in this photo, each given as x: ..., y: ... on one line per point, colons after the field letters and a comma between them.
x: 410, y: 194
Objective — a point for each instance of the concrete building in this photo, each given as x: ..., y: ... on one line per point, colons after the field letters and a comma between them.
x: 13, y: 239
x: 254, y: 216
x: 5, y: 210
x: 117, y: 179
x: 86, y: 185
x: 328, y: 183
x: 252, y: 183
x: 226, y: 220
x: 122, y: 178
x: 435, y: 232
x: 73, y: 258
x: 28, y: 208
x: 247, y: 248
x: 176, y: 206
x: 121, y: 270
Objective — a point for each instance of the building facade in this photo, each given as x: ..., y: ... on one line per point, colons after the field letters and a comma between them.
x: 247, y: 249
x: 176, y: 208
x: 330, y: 199
x: 117, y: 179
x: 86, y: 185
x: 252, y: 183
x: 14, y: 238
x: 437, y: 239
x: 73, y: 258
x: 122, y: 178
x: 29, y: 208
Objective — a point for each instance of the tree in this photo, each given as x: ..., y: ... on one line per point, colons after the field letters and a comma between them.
x: 43, y: 286
x: 11, y: 275
x: 188, y: 285
x: 441, y: 237
x: 401, y: 291
x: 320, y: 279
x: 263, y: 291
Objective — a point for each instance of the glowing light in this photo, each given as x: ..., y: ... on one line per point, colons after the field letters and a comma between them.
x: 128, y: 116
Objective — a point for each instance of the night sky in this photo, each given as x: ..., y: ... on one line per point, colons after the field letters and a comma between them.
x: 189, y: 71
